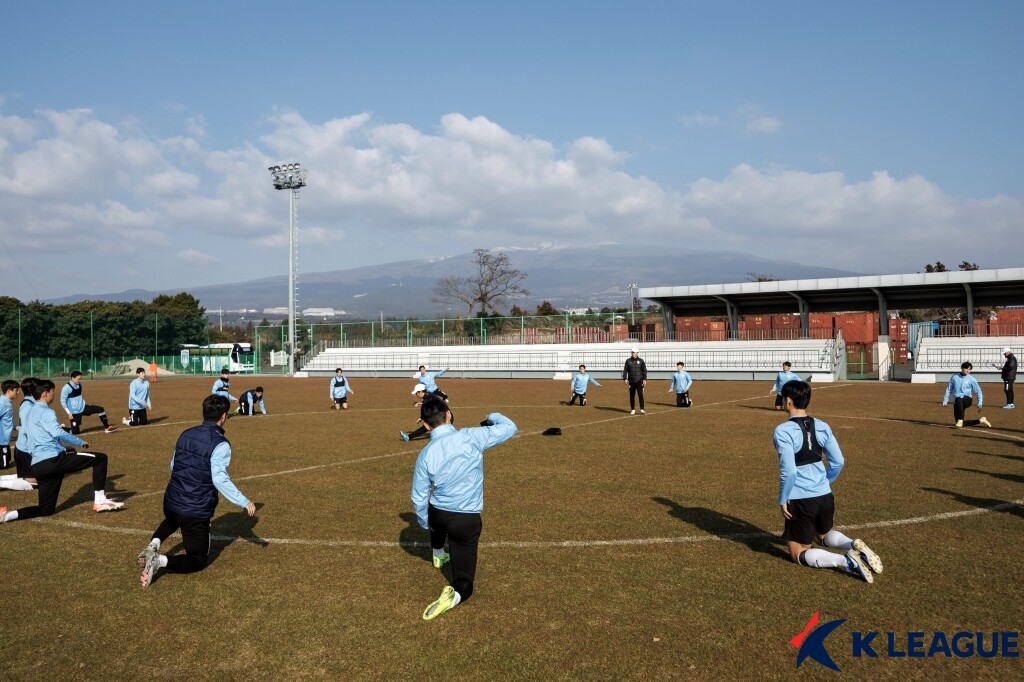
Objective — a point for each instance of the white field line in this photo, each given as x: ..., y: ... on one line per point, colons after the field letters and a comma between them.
x: 945, y: 516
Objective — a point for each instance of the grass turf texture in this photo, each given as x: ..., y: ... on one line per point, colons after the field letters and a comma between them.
x: 638, y: 547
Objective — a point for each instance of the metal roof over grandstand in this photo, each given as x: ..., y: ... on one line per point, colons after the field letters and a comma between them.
x: 960, y: 289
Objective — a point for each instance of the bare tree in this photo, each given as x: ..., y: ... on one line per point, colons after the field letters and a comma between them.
x: 494, y: 282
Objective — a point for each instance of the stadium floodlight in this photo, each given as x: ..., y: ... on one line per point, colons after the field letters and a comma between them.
x: 632, y: 285
x: 290, y: 177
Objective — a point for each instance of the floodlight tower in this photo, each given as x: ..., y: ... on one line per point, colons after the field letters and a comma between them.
x: 632, y: 285
x: 291, y: 177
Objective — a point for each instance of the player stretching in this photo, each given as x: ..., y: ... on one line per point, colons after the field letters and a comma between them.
x: 804, y: 492
x: 448, y: 494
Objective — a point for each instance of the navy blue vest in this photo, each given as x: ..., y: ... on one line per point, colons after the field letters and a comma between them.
x: 191, y: 492
x: 75, y: 390
x: 810, y: 450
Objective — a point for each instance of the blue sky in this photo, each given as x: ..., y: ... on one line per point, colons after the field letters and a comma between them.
x: 135, y: 136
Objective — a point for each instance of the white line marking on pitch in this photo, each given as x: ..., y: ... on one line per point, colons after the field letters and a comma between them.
x: 548, y: 543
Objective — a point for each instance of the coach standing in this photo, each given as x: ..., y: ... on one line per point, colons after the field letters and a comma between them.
x: 634, y: 375
x: 1009, y: 375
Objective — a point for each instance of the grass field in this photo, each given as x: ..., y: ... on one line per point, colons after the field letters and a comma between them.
x: 627, y: 548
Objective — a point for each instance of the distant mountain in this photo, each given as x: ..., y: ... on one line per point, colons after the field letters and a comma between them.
x: 568, y: 277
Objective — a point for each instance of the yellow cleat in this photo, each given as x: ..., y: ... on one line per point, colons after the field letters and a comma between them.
x: 445, y: 602
x: 959, y: 423
x: 440, y: 561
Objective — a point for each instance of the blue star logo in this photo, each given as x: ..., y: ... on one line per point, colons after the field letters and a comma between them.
x: 810, y: 643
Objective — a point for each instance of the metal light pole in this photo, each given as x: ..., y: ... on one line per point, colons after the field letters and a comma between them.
x: 633, y: 285
x: 290, y: 177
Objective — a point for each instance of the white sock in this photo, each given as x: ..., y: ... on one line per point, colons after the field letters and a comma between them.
x: 458, y: 598
x: 99, y: 496
x: 438, y: 553
x: 15, y: 483
x: 155, y: 543
x: 820, y: 558
x: 161, y: 561
x: 837, y: 540
x: 10, y: 516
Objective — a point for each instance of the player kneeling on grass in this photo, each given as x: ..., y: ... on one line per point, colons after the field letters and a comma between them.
x: 199, y: 471
x: 805, y: 495
x: 248, y: 402
x: 340, y: 388
x: 579, y: 386
x: 52, y: 461
x: 448, y: 494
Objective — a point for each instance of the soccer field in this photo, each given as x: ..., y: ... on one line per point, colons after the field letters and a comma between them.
x: 629, y: 547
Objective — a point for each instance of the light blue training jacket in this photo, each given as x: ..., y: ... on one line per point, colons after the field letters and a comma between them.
x: 449, y: 471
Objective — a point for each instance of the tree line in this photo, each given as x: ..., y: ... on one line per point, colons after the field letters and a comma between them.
x: 100, y: 328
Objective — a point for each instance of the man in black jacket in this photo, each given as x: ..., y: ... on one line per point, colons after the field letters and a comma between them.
x: 1009, y: 375
x: 634, y: 375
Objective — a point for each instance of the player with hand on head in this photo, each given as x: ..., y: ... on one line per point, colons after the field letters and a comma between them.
x: 805, y: 493
x: 448, y: 494
x: 961, y: 386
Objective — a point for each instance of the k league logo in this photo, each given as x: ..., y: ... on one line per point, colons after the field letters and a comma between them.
x: 872, y: 644
x: 811, y: 642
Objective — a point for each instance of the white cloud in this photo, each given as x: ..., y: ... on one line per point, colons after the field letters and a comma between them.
x: 767, y: 125
x: 700, y: 120
x: 200, y: 258
x: 74, y: 183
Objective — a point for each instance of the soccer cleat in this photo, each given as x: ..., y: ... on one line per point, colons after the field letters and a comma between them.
x: 3, y: 514
x: 855, y: 565
x: 110, y: 429
x: 984, y: 422
x: 107, y: 505
x: 872, y: 559
x: 124, y: 420
x: 149, y: 560
x: 632, y: 411
x: 643, y: 412
x: 959, y: 423
x: 444, y: 603
x: 584, y: 403
x: 1008, y: 406
x: 440, y: 561
x: 404, y: 435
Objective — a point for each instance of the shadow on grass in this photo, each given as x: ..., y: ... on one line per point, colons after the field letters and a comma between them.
x: 413, y: 539
x: 728, y: 528
x: 604, y: 408
x: 981, y: 502
x: 762, y: 408
x: 235, y: 525
x: 1015, y: 458
x: 84, y: 493
x: 1015, y: 478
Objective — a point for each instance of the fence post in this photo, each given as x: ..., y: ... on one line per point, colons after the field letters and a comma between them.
x: 408, y: 334
x: 442, y: 331
x: 156, y: 335
x: 373, y: 340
